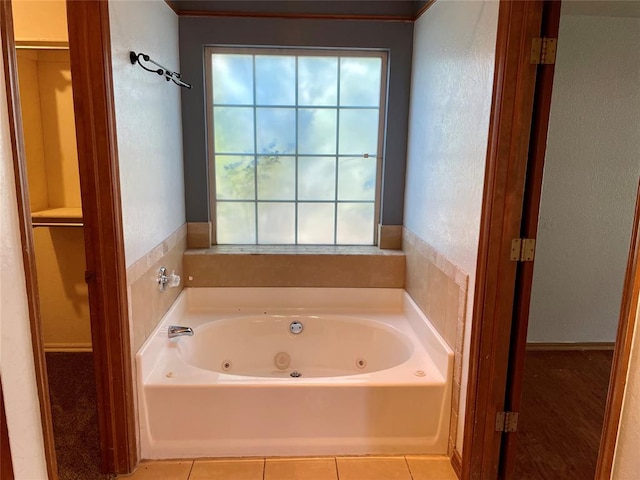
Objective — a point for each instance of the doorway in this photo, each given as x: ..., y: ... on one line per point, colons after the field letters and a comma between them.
x: 46, y: 98
x: 583, y: 233
x: 55, y: 204
x: 104, y: 274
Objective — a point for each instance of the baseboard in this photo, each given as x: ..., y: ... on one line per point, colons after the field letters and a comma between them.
x: 456, y: 462
x: 571, y: 346
x: 68, y: 347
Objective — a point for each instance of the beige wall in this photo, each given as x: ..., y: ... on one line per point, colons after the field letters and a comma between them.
x: 40, y: 21
x: 64, y: 300
x: 32, y: 124
x: 451, y: 91
x: 49, y: 128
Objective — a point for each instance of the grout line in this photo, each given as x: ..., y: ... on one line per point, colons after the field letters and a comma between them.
x: 408, y: 466
x: 193, y: 462
x: 335, y: 461
x: 264, y: 468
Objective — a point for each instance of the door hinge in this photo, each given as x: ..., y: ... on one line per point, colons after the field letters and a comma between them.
x: 506, y: 422
x: 543, y: 51
x: 523, y: 249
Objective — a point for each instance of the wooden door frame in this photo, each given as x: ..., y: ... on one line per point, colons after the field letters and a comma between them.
x: 495, y: 304
x: 621, y: 353
x: 90, y: 53
x: 6, y: 462
x: 530, y: 214
x: 501, y: 217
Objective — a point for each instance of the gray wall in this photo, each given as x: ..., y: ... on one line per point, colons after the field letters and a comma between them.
x: 401, y: 8
x: 197, y: 32
x: 590, y: 179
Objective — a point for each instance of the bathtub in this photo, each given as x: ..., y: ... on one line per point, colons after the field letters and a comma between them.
x: 367, y: 374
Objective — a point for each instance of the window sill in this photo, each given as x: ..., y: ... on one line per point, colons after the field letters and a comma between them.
x: 294, y: 266
x: 293, y: 250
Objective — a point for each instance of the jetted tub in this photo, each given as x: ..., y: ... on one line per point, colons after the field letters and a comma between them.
x: 367, y: 374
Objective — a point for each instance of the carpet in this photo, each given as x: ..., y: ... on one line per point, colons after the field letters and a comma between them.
x: 75, y: 420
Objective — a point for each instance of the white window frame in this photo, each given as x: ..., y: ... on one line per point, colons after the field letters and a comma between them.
x: 295, y: 51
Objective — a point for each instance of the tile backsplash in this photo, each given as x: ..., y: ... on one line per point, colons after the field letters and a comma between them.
x: 146, y: 303
x: 439, y: 287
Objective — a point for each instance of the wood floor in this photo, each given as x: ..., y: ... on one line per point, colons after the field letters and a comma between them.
x: 562, y: 412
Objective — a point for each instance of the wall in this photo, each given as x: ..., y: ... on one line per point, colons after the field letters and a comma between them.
x: 590, y: 180
x: 148, y: 119
x: 451, y: 90
x: 16, y: 354
x: 148, y: 124
x: 40, y: 21
x: 195, y: 32
x: 626, y: 464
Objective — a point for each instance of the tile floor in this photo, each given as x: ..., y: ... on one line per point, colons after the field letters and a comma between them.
x: 323, y: 468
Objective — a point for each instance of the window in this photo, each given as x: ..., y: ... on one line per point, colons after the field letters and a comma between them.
x: 294, y: 141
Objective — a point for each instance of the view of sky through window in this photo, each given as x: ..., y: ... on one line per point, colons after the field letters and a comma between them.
x: 295, y: 139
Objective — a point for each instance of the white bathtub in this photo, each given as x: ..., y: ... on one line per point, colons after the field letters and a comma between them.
x: 375, y: 377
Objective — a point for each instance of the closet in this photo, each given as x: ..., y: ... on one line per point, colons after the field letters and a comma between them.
x: 54, y: 190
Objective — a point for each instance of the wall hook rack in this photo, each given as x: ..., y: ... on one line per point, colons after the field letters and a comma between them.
x: 168, y: 74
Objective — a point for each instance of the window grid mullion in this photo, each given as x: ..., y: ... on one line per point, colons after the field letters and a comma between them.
x: 296, y: 159
x: 335, y: 208
x: 255, y: 151
x: 317, y: 107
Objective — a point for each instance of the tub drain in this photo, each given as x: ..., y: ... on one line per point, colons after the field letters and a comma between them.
x: 295, y: 374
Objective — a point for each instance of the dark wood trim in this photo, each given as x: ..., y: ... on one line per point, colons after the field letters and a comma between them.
x: 90, y: 53
x: 297, y: 16
x: 622, y: 353
x: 172, y: 6
x: 423, y: 9
x: 456, y: 463
x: 511, y: 113
x: 529, y: 229
x: 6, y: 462
x: 26, y: 234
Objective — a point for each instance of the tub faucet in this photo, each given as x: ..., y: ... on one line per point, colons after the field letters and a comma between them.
x: 177, y: 331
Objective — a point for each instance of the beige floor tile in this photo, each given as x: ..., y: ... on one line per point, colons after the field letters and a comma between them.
x: 227, y: 470
x: 167, y: 470
x: 431, y: 468
x: 373, y: 468
x: 300, y: 469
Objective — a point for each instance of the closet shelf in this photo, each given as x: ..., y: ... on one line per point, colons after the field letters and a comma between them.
x: 57, y: 217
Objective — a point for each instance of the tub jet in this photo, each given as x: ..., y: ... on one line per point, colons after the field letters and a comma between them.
x: 295, y: 374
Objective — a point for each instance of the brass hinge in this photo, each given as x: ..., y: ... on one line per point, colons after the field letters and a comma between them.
x: 523, y: 249
x: 543, y: 51
x: 506, y: 422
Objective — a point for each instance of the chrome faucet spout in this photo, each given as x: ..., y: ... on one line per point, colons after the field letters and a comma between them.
x: 178, y: 331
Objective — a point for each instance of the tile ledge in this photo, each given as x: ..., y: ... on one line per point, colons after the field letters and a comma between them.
x: 294, y: 250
